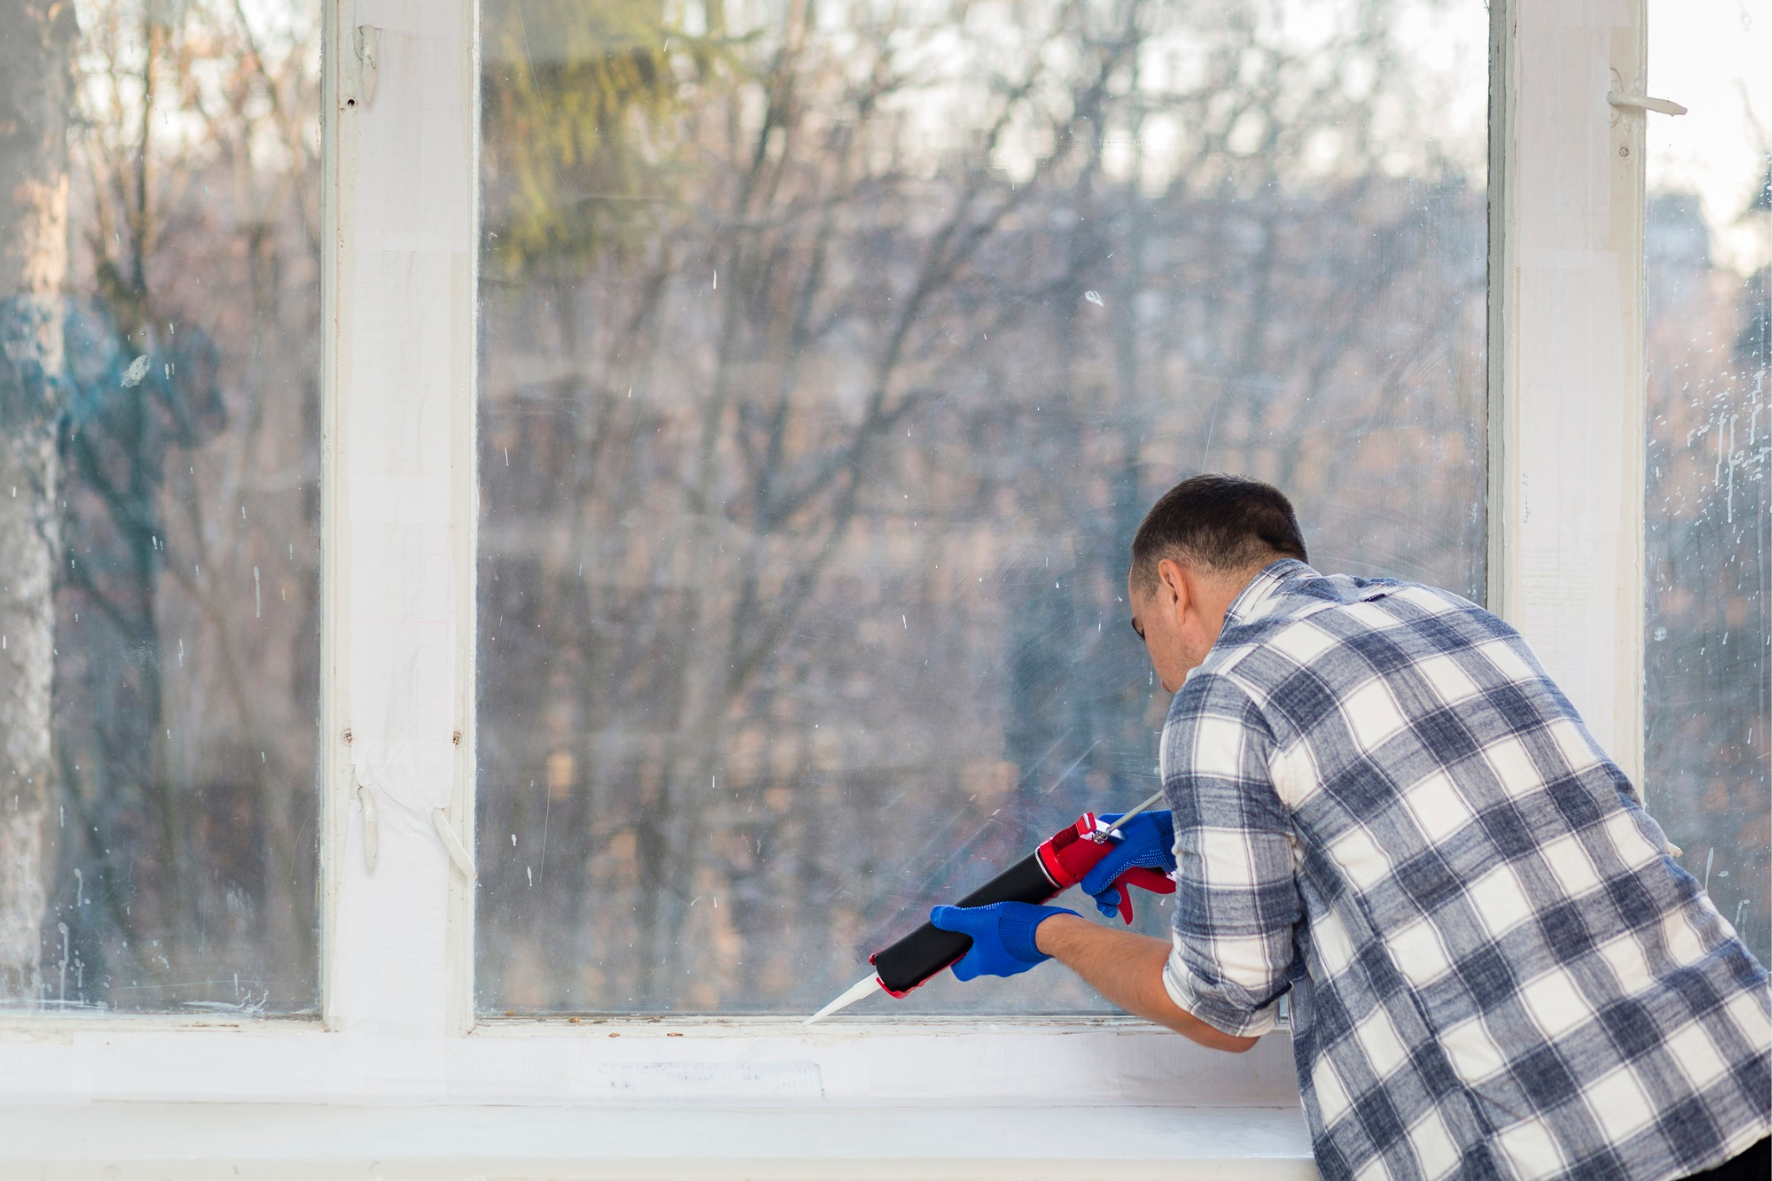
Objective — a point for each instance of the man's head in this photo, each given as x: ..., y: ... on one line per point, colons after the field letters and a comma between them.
x: 1198, y: 547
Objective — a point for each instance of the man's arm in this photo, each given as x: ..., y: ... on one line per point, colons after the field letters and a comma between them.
x: 1127, y: 969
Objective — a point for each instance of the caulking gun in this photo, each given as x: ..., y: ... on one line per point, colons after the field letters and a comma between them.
x: 1058, y: 864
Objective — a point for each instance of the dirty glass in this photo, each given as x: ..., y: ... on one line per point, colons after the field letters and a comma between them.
x: 830, y: 355
x: 1709, y: 644
x: 159, y: 431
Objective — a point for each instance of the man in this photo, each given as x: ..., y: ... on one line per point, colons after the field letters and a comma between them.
x: 1382, y: 806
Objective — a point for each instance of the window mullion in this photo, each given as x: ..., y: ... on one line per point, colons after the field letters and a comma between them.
x: 400, y: 259
x: 1566, y: 355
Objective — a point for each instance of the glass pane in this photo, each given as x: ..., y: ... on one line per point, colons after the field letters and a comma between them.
x: 159, y: 303
x: 1709, y: 644
x: 831, y: 355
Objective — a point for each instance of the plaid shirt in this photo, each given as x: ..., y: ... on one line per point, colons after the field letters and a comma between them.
x: 1383, y: 805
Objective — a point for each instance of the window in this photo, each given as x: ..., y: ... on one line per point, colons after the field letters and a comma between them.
x: 1709, y: 643
x: 1230, y: 235
x: 159, y: 304
x: 830, y: 356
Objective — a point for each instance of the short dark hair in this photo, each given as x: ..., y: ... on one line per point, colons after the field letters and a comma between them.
x: 1223, y: 523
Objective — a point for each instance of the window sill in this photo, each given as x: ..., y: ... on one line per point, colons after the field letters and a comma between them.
x: 916, y: 1061
x: 862, y: 1141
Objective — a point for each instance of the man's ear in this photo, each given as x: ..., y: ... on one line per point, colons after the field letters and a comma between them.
x: 1174, y: 583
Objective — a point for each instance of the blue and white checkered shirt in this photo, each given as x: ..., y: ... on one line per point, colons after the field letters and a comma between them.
x: 1383, y: 804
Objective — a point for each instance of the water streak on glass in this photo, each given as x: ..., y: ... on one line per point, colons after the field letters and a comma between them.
x: 831, y: 355
x: 1709, y: 621
x: 159, y: 497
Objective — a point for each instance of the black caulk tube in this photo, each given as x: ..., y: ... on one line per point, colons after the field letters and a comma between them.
x: 929, y: 949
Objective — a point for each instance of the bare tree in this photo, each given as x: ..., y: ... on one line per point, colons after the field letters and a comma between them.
x: 35, y: 39
x: 809, y: 477
x: 1709, y: 644
x: 160, y: 423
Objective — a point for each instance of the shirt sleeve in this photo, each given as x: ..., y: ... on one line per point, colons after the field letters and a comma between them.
x: 1236, y: 901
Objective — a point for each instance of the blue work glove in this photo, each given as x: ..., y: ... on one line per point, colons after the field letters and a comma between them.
x: 1147, y: 841
x: 1002, y: 936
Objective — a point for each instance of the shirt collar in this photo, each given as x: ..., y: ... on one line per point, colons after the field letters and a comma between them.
x: 1249, y: 601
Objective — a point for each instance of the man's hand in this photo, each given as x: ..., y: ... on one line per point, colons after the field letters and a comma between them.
x: 1146, y: 844
x: 1127, y: 969
x: 1002, y: 936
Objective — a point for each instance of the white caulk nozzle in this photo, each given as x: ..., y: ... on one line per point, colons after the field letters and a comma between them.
x: 863, y: 987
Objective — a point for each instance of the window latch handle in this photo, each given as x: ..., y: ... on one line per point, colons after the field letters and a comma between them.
x: 369, y: 53
x: 1642, y: 102
x: 362, y: 62
x: 371, y: 826
x: 458, y: 852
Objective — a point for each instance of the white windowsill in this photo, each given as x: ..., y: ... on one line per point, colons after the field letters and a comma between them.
x: 1006, y: 1063
x: 438, y: 1143
x: 747, y: 1098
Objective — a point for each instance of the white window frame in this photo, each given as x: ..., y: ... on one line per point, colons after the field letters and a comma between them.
x: 399, y: 509
x: 1567, y: 384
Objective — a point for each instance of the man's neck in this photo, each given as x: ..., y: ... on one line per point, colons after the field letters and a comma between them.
x: 1219, y: 592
